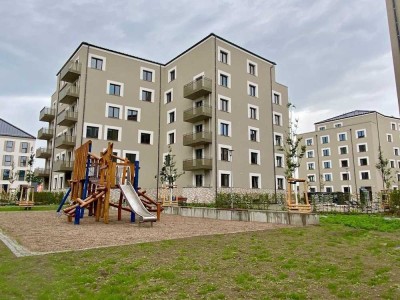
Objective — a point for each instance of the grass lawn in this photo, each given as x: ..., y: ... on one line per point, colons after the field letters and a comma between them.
x: 35, y: 208
x: 321, y: 262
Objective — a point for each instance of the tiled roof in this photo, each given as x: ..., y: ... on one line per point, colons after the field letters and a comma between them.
x: 7, y: 129
x: 353, y: 113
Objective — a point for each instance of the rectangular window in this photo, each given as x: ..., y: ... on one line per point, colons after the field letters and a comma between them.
x: 393, y: 125
x: 168, y: 97
x: 23, y: 161
x: 225, y: 180
x: 24, y: 147
x: 224, y: 104
x: 325, y: 139
x: 364, y: 175
x: 310, y: 154
x: 344, y: 163
x: 198, y: 180
x: 96, y: 63
x: 389, y: 138
x: 278, y: 140
x: 253, y: 113
x: 9, y: 146
x: 255, y: 182
x: 360, y: 134
x: 337, y: 125
x: 7, y: 160
x: 146, y: 96
x: 223, y: 80
x: 114, y: 89
x: 112, y: 134
x: 321, y: 128
x: 252, y: 69
x: 223, y: 57
x: 277, y: 99
x: 252, y: 90
x: 92, y: 132
x: 364, y: 162
x: 253, y: 135
x: 279, y: 161
x: 311, y: 178
x: 171, y: 117
x: 279, y: 183
x: 254, y: 158
x: 309, y: 142
x: 132, y: 115
x: 113, y: 112
x: 171, y: 138
x: 396, y: 151
x: 277, y: 119
x: 147, y: 75
x: 342, y: 137
x: 172, y: 75
x: 392, y: 164
x: 326, y: 152
x: 345, y: 176
x: 21, y: 175
x: 328, y: 177
x: 343, y: 150
x: 362, y: 148
x: 145, y: 138
x: 225, y: 154
x: 224, y: 129
x: 310, y: 166
x: 327, y: 164
x: 131, y: 157
x: 6, y: 174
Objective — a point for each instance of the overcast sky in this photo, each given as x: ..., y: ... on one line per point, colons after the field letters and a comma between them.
x: 334, y: 55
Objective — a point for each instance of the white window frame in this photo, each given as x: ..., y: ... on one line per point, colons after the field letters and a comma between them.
x: 387, y: 137
x: 255, y: 67
x: 280, y: 119
x: 106, y: 127
x: 329, y: 187
x: 281, y: 135
x: 220, y: 172
x: 324, y: 174
x: 198, y: 75
x: 339, y: 123
x: 283, y: 160
x: 248, y: 88
x: 146, y: 131
x: 229, y: 147
x: 395, y: 126
x: 338, y: 136
x: 310, y: 163
x: 306, y: 141
x: 169, y: 74
x: 329, y: 139
x: 202, y: 174
x: 280, y: 97
x: 364, y: 157
x: 117, y: 83
x: 229, y: 79
x: 347, y: 187
x: 366, y: 147
x: 165, y: 95
x: 347, y: 149
x: 315, y: 177
x: 359, y: 130
x: 284, y: 182
x: 394, y: 151
x: 327, y: 161
x: 365, y: 171
x: 259, y: 180
x: 258, y: 133
x: 153, y: 75
x: 85, y: 125
x: 114, y: 105
x: 147, y: 90
x: 228, y: 54
x: 168, y: 133
x: 257, y: 111
x: 313, y: 153
x: 170, y: 111
x: 139, y: 110
x: 344, y: 159
x: 124, y: 152
x: 392, y: 163
x: 103, y: 66
x: 229, y: 103
x: 321, y: 128
x: 258, y: 156
x: 322, y: 152
x: 229, y: 127
x: 341, y: 176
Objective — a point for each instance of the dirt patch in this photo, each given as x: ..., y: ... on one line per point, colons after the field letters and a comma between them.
x: 45, y: 232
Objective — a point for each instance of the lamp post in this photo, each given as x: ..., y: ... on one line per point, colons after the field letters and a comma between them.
x: 230, y: 152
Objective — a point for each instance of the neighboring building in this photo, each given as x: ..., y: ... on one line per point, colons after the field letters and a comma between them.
x: 212, y: 98
x: 342, y: 152
x: 393, y: 13
x: 15, y: 149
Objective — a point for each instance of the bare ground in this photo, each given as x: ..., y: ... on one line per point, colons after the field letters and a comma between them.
x: 44, y: 231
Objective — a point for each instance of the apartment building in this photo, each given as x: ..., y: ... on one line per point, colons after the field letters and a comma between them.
x: 217, y: 105
x: 15, y: 149
x: 342, y: 152
x: 393, y: 13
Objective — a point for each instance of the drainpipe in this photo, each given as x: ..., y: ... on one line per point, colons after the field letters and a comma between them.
x: 272, y: 126
x: 215, y: 119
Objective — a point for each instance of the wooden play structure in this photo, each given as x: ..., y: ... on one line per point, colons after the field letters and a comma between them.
x: 292, y: 202
x: 93, y: 179
x: 27, y: 197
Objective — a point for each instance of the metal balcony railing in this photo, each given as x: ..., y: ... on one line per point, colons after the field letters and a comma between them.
x: 196, y: 114
x: 197, y: 138
x: 47, y: 114
x: 197, y: 88
x: 71, y: 71
x: 197, y: 164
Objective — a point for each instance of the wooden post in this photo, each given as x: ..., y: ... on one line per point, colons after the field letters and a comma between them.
x: 158, y: 211
x: 121, y: 196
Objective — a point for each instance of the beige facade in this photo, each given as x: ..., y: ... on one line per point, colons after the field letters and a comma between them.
x: 343, y: 151
x: 393, y: 13
x: 212, y: 98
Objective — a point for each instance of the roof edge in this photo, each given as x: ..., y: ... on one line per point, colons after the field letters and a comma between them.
x: 31, y: 136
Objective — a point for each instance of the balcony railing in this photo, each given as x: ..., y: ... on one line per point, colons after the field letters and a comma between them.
x: 71, y: 71
x: 197, y: 88
x: 197, y: 164
x: 43, y: 152
x: 196, y: 114
x: 198, y: 138
x: 69, y: 94
x: 67, y: 118
x: 63, y: 166
x: 47, y: 114
x: 42, y: 172
x: 65, y: 141
x: 45, y: 133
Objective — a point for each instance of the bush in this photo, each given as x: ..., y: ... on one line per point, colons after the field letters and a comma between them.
x: 45, y: 198
x: 244, y: 201
x: 394, y: 202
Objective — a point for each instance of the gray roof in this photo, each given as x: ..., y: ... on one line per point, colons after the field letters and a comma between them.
x: 7, y: 129
x: 353, y: 113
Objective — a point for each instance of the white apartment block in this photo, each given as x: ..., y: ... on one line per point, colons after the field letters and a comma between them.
x: 343, y: 151
x: 217, y: 105
x: 15, y: 150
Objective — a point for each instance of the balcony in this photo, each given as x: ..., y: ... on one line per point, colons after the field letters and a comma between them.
x: 197, y: 164
x: 71, y: 71
x: 196, y: 114
x: 65, y: 142
x: 69, y: 94
x: 198, y: 138
x: 45, y: 134
x: 67, y: 118
x: 63, y: 166
x: 47, y: 114
x: 197, y: 88
x: 42, y: 172
x: 43, y: 153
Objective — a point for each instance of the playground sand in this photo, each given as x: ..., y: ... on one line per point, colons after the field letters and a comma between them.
x: 43, y: 231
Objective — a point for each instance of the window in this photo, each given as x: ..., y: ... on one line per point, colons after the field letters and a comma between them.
x: 223, y: 79
x: 223, y: 57
x: 389, y: 138
x: 342, y: 137
x: 172, y: 75
x: 309, y: 142
x: 393, y: 126
x: 24, y: 147
x: 392, y: 164
x: 254, y: 158
x: 360, y: 134
x: 345, y: 176
x: 321, y: 128
x: 277, y: 99
x: 145, y: 138
x: 9, y: 146
x: 311, y: 178
x: 198, y: 128
x: 312, y: 189
x: 224, y: 154
x: 328, y: 177
x: 325, y: 139
x: 327, y: 164
x: 344, y: 163
x: 131, y: 157
x: 279, y: 161
x: 114, y: 89
x: 224, y: 129
x: 279, y: 183
x: 343, y: 150
x: 132, y: 114
x: 171, y: 116
x: 277, y: 119
x: 224, y: 104
x: 225, y: 179
x: 337, y: 125
x: 362, y: 148
x: 255, y: 182
x: 23, y: 161
x: 252, y: 69
x: 146, y: 96
x: 396, y: 151
x: 326, y: 152
x: 147, y: 75
x: 310, y: 154
x: 364, y: 161
x: 7, y: 160
x: 310, y: 166
x: 113, y: 112
x: 253, y: 113
x: 21, y: 175
x: 168, y: 97
x: 364, y: 175
x: 328, y: 189
x: 198, y: 178
x: 278, y: 140
x: 253, y: 135
x: 6, y: 174
x: 96, y: 63
x: 252, y: 90
x: 171, y: 138
x: 112, y: 134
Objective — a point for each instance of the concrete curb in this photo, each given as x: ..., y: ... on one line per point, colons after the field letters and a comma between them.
x: 15, y: 248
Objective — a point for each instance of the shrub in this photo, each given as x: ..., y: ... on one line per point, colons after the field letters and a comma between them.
x: 46, y: 198
x: 394, y: 202
x: 244, y: 201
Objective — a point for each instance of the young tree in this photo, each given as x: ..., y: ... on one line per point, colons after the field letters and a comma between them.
x: 384, y: 168
x: 292, y: 147
x: 169, y: 173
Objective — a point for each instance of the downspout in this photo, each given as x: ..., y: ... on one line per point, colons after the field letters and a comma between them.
x: 84, y: 94
x: 159, y: 134
x: 215, y: 119
x: 272, y: 126
x: 53, y: 143
x: 354, y: 163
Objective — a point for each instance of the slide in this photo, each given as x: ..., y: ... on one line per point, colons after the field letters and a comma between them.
x: 136, y: 204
